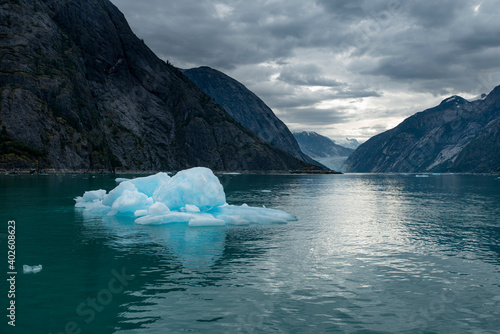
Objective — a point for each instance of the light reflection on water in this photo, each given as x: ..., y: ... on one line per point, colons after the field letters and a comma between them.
x: 369, y: 254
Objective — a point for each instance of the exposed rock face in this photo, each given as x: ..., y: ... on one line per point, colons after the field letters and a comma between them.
x: 78, y: 90
x: 348, y: 143
x: 323, y: 149
x: 246, y: 108
x: 456, y: 136
x: 318, y: 146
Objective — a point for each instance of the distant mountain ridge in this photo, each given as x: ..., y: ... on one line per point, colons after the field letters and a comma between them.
x: 246, y: 108
x: 348, y: 143
x: 78, y: 90
x: 323, y: 149
x: 455, y: 136
x: 318, y: 146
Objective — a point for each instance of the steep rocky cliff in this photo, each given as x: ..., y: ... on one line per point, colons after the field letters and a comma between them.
x: 456, y: 136
x: 78, y: 90
x: 246, y: 108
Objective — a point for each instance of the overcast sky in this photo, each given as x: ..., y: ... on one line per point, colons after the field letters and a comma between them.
x: 338, y: 67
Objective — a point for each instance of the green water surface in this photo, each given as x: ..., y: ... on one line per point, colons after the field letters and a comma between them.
x: 368, y: 254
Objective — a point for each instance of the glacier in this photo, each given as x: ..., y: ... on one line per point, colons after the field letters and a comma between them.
x: 193, y: 196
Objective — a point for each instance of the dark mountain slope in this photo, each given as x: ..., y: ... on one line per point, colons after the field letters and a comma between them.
x: 246, y: 108
x: 482, y: 153
x: 323, y: 149
x: 78, y: 90
x: 318, y: 146
x: 457, y: 135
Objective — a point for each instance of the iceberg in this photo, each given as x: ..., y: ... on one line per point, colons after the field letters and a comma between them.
x: 196, y: 186
x: 32, y: 269
x: 121, y: 179
x: 193, y: 196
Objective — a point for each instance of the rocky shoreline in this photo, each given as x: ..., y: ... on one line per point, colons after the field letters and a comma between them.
x: 142, y: 172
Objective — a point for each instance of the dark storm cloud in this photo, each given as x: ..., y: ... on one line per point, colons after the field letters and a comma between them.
x: 445, y: 41
x: 297, y: 54
x: 404, y: 34
x: 288, y: 97
x: 347, y: 9
x: 436, y: 14
x: 315, y: 116
x: 406, y: 68
x: 222, y: 35
x: 307, y: 75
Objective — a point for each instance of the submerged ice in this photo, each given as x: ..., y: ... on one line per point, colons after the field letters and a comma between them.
x: 32, y: 269
x: 193, y: 196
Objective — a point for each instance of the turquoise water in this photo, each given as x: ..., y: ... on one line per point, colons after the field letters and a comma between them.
x: 368, y: 254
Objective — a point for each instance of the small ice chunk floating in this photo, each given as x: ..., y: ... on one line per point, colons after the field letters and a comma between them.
x: 32, y: 269
x: 193, y: 196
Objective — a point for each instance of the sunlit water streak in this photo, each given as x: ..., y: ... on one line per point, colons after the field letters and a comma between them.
x: 369, y: 254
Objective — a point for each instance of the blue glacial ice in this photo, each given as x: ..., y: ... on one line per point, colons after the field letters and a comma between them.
x: 193, y: 196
